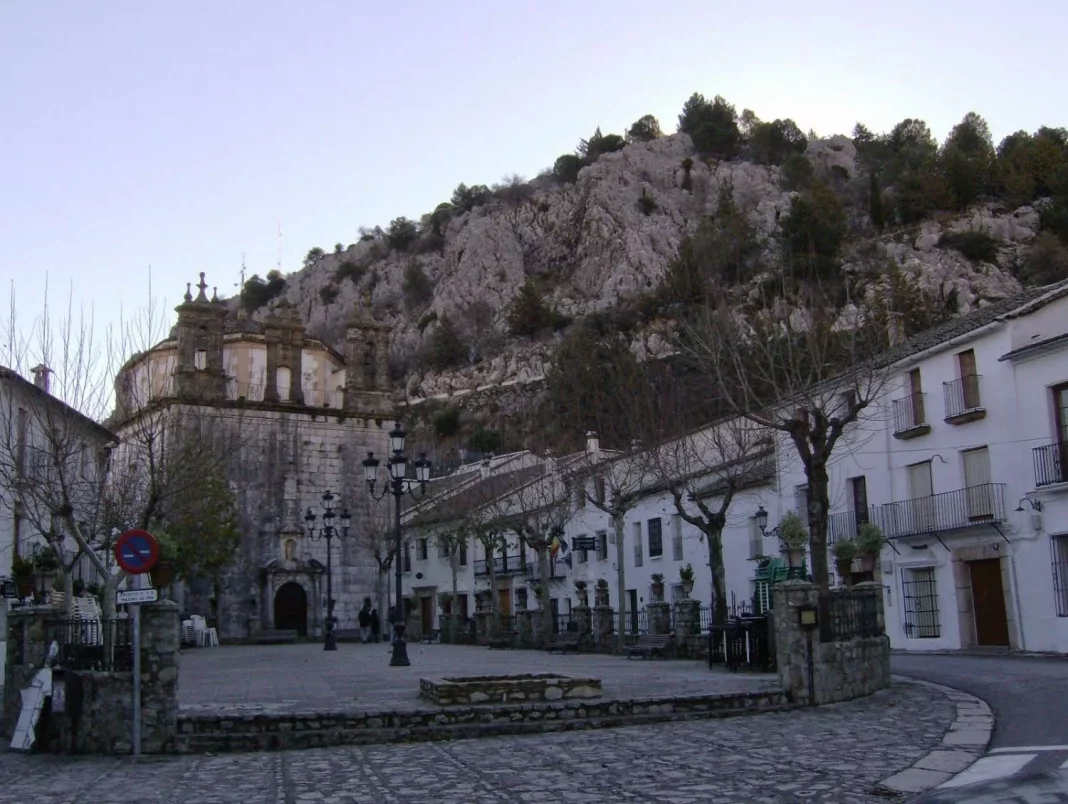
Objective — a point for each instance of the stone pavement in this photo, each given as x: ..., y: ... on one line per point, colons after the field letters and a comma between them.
x: 304, y: 677
x: 835, y: 753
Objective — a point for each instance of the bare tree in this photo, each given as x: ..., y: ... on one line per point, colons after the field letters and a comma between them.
x: 807, y: 370
x: 375, y: 535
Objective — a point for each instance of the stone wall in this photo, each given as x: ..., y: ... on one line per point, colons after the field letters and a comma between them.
x: 99, y: 707
x: 507, y: 689
x: 841, y: 670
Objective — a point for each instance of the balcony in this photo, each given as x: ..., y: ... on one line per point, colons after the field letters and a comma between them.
x: 910, y: 418
x: 952, y: 510
x: 534, y: 571
x: 1051, y: 464
x: 963, y: 402
x: 844, y: 525
x: 502, y: 565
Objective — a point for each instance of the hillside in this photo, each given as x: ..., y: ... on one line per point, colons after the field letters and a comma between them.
x: 602, y: 231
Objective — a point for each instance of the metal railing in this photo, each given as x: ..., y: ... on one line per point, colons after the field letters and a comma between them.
x: 844, y: 525
x: 637, y: 621
x: 534, y: 571
x: 962, y: 396
x: 104, y: 645
x: 951, y: 510
x: 562, y: 624
x: 1051, y: 464
x: 502, y: 565
x: 742, y: 644
x: 909, y: 413
x: 852, y: 614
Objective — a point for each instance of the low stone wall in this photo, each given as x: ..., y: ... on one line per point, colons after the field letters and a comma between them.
x: 212, y: 733
x: 841, y: 670
x: 506, y: 689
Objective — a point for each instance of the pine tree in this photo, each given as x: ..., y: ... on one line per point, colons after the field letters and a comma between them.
x: 529, y: 314
x: 875, y: 203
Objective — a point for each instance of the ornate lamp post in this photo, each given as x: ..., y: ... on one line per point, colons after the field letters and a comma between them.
x: 398, y: 485
x: 328, y: 532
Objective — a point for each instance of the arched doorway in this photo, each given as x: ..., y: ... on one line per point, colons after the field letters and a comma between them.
x: 291, y: 608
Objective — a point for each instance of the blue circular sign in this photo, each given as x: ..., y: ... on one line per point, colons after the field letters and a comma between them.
x: 137, y: 551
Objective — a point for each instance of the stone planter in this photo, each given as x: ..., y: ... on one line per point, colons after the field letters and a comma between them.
x: 658, y: 591
x: 162, y: 574
x: 584, y: 598
x: 600, y: 596
x: 845, y: 570
x: 866, y: 563
x: 795, y: 556
x: 687, y: 588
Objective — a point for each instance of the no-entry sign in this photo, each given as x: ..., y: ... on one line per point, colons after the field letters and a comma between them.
x: 137, y: 551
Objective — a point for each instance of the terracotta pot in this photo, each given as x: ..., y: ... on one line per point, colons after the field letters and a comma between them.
x: 845, y: 570
x: 162, y: 574
x: 795, y: 556
x: 866, y: 563
x: 658, y: 591
x: 584, y: 598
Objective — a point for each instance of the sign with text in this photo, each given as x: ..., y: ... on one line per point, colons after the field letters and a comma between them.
x: 136, y: 596
x: 584, y: 543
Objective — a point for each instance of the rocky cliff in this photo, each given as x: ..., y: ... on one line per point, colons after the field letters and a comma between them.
x: 608, y: 236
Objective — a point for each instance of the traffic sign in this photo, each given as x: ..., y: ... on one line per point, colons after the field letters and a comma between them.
x: 134, y: 596
x: 137, y: 551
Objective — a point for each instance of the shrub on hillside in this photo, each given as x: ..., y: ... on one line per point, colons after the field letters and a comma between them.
x: 813, y: 232
x: 401, y: 233
x: 713, y: 127
x: 566, y: 168
x: 646, y: 203
x: 484, y: 441
x: 528, y: 315
x: 446, y: 347
x: 644, y: 129
x: 1046, y: 261
x: 976, y: 246
x: 351, y: 270
x: 328, y: 294
x: 466, y: 198
x: 313, y: 255
x: 416, y: 285
x: 257, y: 292
x: 773, y: 143
x: 447, y: 422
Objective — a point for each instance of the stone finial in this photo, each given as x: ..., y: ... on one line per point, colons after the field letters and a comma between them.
x: 188, y: 291
x: 214, y: 295
x: 202, y: 296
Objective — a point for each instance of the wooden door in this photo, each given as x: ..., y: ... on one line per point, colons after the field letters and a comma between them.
x: 969, y: 379
x: 1060, y: 454
x: 426, y: 614
x: 859, y: 489
x: 988, y: 597
x: 978, y: 489
x: 916, y: 389
x: 921, y: 516
x: 504, y: 602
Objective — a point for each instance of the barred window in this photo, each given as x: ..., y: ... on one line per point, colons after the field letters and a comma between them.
x: 583, y: 555
x: 421, y: 549
x: 1059, y: 546
x: 656, y: 538
x: 920, y: 596
x: 602, y: 545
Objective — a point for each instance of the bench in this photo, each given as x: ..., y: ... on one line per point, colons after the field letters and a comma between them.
x: 432, y: 637
x: 505, y: 639
x: 651, y: 645
x: 277, y: 637
x: 561, y: 643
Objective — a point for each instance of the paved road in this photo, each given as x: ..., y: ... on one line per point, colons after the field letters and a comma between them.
x: 1029, y: 696
x: 831, y: 754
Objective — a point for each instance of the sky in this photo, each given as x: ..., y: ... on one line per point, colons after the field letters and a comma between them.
x: 143, y: 142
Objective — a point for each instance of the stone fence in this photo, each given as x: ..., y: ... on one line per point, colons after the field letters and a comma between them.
x: 821, y: 664
x: 98, y: 710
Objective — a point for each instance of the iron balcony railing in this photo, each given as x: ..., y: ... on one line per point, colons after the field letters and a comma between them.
x: 502, y: 565
x: 909, y: 413
x: 951, y: 510
x: 534, y: 571
x: 1051, y: 464
x: 962, y: 396
x: 844, y: 525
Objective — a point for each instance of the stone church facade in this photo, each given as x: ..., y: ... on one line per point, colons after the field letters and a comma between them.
x: 304, y: 417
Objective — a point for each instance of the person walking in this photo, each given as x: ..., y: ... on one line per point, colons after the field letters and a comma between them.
x: 392, y: 619
x: 364, y: 619
x: 376, y: 626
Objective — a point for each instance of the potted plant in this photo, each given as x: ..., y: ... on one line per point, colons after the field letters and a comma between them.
x: 686, y: 578
x: 583, y: 595
x: 22, y: 575
x: 844, y: 550
x: 600, y: 592
x: 163, y: 573
x: 658, y: 586
x: 46, y: 565
x: 870, y: 541
x: 794, y: 538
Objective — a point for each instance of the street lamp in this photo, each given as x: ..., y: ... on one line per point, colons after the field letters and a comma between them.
x: 329, y: 532
x: 398, y: 485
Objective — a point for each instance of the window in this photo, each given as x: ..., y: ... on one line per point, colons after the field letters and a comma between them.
x: 638, y: 558
x: 602, y: 545
x: 1059, y: 546
x: 916, y: 391
x: 978, y: 488
x: 200, y: 359
x: 407, y: 557
x: 920, y: 595
x: 676, y: 538
x: 583, y: 555
x: 444, y: 547
x: 282, y: 381
x: 656, y: 538
x: 421, y: 549
x: 858, y: 492
x: 756, y: 543
x: 463, y: 554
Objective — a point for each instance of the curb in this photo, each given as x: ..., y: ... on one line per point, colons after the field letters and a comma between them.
x: 964, y: 743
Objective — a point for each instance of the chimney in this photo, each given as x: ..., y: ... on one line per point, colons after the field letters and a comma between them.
x: 41, y: 378
x: 896, y: 328
x: 593, y: 444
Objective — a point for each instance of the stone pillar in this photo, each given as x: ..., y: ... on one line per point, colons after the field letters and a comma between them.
x: 688, y: 625
x: 603, y: 625
x: 159, y: 676
x: 485, y: 621
x: 523, y: 627
x: 581, y: 616
x: 659, y: 617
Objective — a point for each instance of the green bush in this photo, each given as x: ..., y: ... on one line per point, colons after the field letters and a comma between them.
x: 258, y: 292
x: 440, y: 217
x: 646, y: 203
x: 870, y: 540
x: 976, y: 246
x: 466, y: 198
x: 845, y: 550
x: 792, y: 531
x: 814, y: 230
x: 401, y: 233
x: 797, y: 172
x: 427, y: 319
x: 484, y: 441
x: 447, y: 422
x: 528, y: 315
x: 313, y: 256
x: 644, y: 129
x: 773, y: 143
x: 446, y: 348
x: 713, y: 127
x: 967, y: 160
x: 350, y: 270
x: 566, y: 168
x: 1046, y: 261
x: 416, y: 285
x: 328, y: 294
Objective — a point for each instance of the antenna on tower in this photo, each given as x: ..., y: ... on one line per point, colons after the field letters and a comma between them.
x: 279, y: 247
x: 242, y: 284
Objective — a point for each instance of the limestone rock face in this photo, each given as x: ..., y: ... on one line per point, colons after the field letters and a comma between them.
x: 610, y: 235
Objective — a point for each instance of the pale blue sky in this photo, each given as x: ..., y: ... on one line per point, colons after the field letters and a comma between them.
x: 178, y: 135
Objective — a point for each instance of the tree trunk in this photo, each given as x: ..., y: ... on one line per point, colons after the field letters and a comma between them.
x: 818, y: 505
x: 380, y: 598
x: 68, y: 592
x: 543, y: 598
x: 454, y: 614
x: 719, y: 576
x: 621, y: 575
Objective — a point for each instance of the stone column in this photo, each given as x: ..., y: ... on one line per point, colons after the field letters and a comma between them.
x: 603, y: 624
x: 688, y: 625
x: 159, y: 676
x: 581, y: 616
x: 791, y: 642
x: 659, y: 617
x: 524, y: 627
x: 485, y: 621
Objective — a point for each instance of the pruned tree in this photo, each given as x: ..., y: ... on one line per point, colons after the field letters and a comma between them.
x: 805, y: 370
x: 376, y: 536
x: 703, y: 471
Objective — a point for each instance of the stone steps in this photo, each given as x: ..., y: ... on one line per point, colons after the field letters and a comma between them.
x: 198, y: 733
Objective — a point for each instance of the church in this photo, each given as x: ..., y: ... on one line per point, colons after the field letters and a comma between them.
x: 305, y: 416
